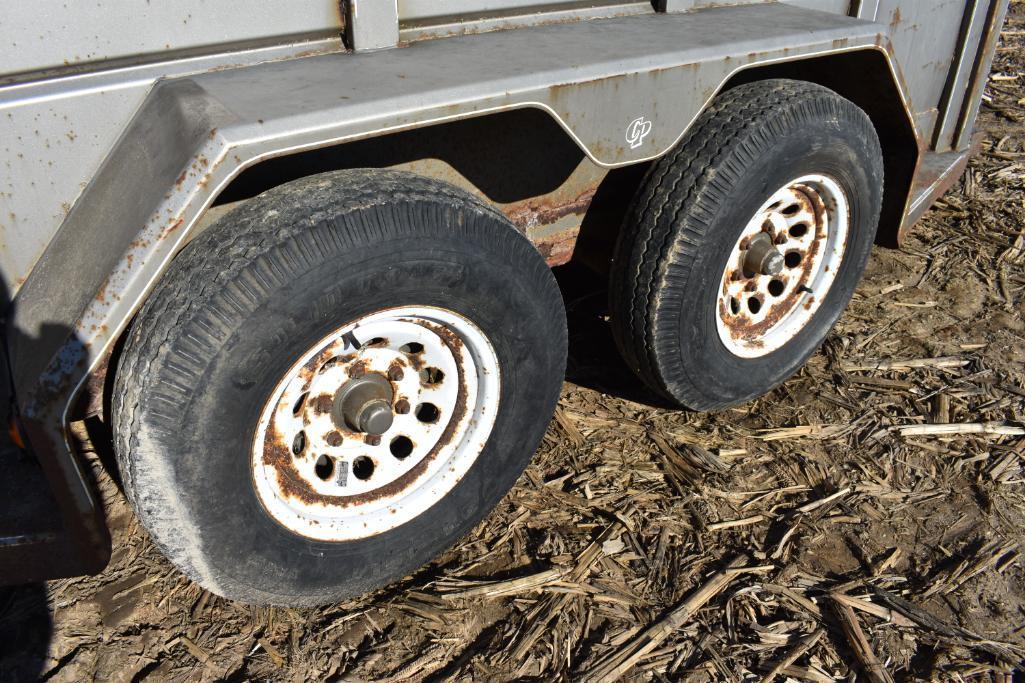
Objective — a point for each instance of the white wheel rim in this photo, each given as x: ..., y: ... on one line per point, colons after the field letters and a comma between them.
x: 334, y: 483
x: 808, y: 223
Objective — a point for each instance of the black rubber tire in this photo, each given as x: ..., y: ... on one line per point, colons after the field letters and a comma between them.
x: 689, y: 213
x: 246, y: 297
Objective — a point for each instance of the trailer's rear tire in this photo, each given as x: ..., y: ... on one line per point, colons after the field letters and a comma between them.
x: 334, y: 383
x: 744, y: 244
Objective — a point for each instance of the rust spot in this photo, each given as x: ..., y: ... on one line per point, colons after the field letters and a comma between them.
x: 896, y: 19
x: 166, y: 232
x: 315, y: 363
x: 323, y: 404
x: 91, y: 401
x: 358, y: 369
x: 545, y: 212
x: 558, y: 248
x: 416, y: 360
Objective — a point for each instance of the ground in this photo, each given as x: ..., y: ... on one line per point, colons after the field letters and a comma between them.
x: 806, y: 531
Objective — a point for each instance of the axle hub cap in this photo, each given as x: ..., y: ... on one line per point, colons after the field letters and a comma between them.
x: 363, y: 404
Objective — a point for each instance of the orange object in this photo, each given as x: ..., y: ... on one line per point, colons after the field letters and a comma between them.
x: 15, y: 433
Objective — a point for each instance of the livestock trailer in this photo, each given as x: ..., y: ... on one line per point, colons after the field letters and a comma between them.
x: 295, y: 256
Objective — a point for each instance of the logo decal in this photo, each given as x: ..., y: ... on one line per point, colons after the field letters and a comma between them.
x: 637, y: 131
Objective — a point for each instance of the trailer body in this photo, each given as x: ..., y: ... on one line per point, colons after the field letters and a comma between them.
x: 125, y: 129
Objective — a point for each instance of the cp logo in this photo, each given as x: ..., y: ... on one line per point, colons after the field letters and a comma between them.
x: 637, y: 130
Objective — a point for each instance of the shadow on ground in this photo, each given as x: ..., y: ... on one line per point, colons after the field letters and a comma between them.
x: 26, y: 509
x: 25, y: 631
x: 594, y: 361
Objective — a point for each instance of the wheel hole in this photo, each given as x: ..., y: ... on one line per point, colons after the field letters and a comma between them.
x: 799, y: 230
x: 734, y: 305
x: 376, y: 341
x: 324, y: 468
x: 328, y: 365
x: 300, y: 403
x: 427, y: 412
x: 401, y: 447
x: 754, y: 304
x: 776, y: 287
x: 412, y: 348
x: 432, y: 376
x: 791, y: 210
x: 792, y: 259
x: 299, y: 443
x: 362, y: 468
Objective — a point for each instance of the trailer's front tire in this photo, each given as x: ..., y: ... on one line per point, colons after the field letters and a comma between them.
x: 334, y: 383
x: 745, y: 243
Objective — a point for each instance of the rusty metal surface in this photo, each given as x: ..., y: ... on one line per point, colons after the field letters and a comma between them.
x: 320, y: 475
x: 808, y: 220
x: 562, y: 181
x: 277, y: 451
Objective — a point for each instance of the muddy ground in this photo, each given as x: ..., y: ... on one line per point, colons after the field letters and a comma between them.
x: 860, y: 549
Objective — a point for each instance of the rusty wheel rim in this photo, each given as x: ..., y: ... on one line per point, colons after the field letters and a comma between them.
x: 782, y: 266
x: 322, y: 475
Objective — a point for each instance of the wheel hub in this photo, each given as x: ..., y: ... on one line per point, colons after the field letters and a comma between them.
x: 364, y: 404
x: 782, y: 266
x: 762, y: 256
